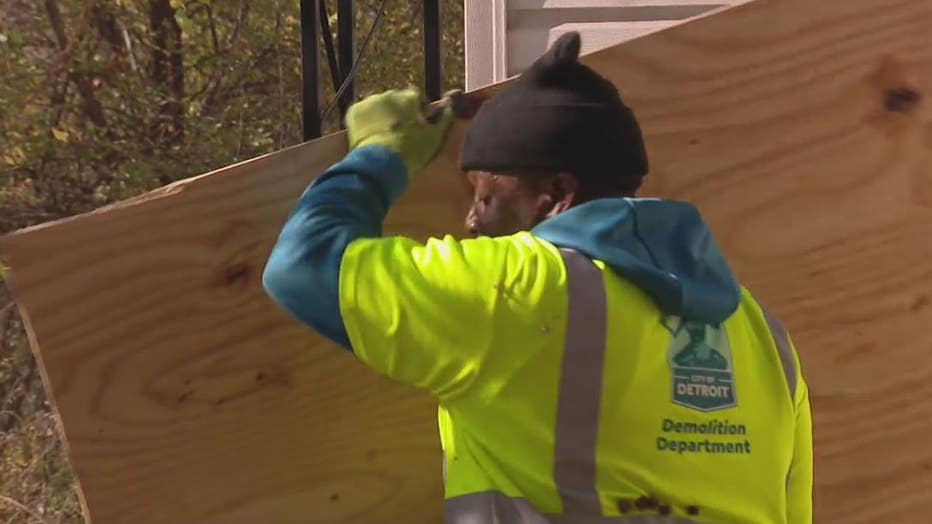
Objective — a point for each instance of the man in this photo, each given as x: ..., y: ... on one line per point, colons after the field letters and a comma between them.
x: 594, y: 358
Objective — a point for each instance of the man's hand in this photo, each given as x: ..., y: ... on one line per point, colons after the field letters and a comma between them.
x: 395, y: 120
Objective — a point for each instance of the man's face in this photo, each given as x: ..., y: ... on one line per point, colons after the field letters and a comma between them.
x: 504, y: 204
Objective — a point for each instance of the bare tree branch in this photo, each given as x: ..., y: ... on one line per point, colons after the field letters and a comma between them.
x: 57, y: 101
x: 167, y: 69
x: 281, y: 78
x: 128, y: 41
x: 92, y: 107
x: 240, y: 22
x: 213, y: 28
x: 32, y: 514
x: 105, y: 21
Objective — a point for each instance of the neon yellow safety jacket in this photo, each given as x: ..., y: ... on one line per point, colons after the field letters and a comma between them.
x: 604, y: 367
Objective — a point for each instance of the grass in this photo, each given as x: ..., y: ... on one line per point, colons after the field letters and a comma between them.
x: 36, y: 480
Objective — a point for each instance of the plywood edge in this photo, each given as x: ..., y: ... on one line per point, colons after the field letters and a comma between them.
x: 596, y: 36
x: 33, y: 340
x: 12, y: 242
x: 589, y: 57
x: 645, y: 38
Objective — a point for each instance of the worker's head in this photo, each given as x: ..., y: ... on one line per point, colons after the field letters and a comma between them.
x: 557, y: 136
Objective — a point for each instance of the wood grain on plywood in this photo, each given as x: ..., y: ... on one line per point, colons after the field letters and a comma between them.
x: 177, y: 380
x: 802, y: 130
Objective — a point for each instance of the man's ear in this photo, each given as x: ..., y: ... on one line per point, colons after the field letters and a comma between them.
x: 562, y: 191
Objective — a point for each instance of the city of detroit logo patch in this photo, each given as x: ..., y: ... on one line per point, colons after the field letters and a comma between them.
x: 700, y: 362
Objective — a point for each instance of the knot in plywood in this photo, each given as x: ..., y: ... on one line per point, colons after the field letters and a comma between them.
x: 901, y: 99
x: 236, y: 260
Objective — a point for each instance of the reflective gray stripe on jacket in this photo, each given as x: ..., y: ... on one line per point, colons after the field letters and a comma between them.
x: 578, y: 417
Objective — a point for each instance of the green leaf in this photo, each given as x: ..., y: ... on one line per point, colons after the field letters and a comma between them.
x: 14, y: 39
x: 4, y: 270
x: 15, y: 156
x: 184, y: 21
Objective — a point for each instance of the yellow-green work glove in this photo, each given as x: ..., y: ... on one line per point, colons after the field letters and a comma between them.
x: 395, y: 120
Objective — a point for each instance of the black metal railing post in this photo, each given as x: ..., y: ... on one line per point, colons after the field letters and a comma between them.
x: 346, y: 42
x: 433, y: 60
x: 314, y: 19
x: 331, y: 52
x: 310, y: 108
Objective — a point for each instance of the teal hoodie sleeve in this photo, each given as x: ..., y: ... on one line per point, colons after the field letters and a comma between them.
x: 349, y: 201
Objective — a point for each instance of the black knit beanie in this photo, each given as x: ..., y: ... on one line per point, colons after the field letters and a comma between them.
x: 559, y: 116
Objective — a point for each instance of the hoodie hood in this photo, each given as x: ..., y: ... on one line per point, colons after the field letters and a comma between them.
x: 662, y: 246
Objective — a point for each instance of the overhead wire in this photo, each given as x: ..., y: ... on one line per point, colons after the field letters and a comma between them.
x: 329, y: 47
x: 359, y: 55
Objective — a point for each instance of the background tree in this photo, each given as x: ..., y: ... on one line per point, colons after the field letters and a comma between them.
x: 101, y: 100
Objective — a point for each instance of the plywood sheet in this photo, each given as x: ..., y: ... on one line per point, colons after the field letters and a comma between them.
x: 503, y: 37
x: 803, y: 130
x: 533, y: 25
